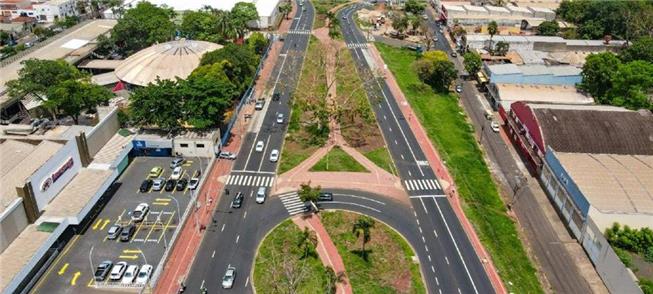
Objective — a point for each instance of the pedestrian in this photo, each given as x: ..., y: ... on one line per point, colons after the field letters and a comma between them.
x: 226, y: 191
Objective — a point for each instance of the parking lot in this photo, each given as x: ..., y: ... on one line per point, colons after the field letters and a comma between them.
x: 73, y: 270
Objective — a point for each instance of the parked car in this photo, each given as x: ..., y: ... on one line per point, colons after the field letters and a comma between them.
x: 454, y: 54
x: 176, y: 173
x: 158, y: 184
x: 325, y: 196
x: 144, y: 274
x: 227, y: 155
x: 103, y: 270
x: 181, y: 184
x: 140, y: 212
x: 114, y: 232
x: 260, y: 195
x: 145, y: 186
x: 155, y: 172
x: 127, y: 233
x: 280, y: 118
x: 459, y: 88
x: 117, y: 271
x: 130, y: 274
x: 238, y: 200
x: 259, y: 146
x: 229, y: 277
x: 170, y: 185
x: 259, y: 104
x: 495, y: 126
x: 193, y: 183
x: 274, y: 155
x: 177, y: 162
x: 276, y: 96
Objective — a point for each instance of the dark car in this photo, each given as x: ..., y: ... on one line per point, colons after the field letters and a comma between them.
x: 276, y: 96
x: 181, y: 184
x: 127, y: 233
x: 170, y: 185
x: 103, y: 270
x: 145, y: 186
x: 325, y: 196
x: 238, y: 200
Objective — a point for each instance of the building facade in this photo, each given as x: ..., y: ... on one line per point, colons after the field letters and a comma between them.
x: 54, y: 9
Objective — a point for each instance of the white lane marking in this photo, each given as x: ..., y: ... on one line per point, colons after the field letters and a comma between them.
x: 440, y: 291
x: 435, y: 232
x: 417, y: 220
x: 428, y: 196
x: 420, y: 229
x: 446, y: 259
x: 267, y: 144
x: 222, y: 227
x: 239, y: 180
x: 384, y: 117
x: 423, y: 206
x: 409, y: 173
x: 389, y: 128
x: 407, y: 186
x: 229, y: 180
x: 437, y: 282
x: 202, y: 286
x: 245, y: 214
x: 361, y: 197
x: 402, y: 156
x: 456, y: 245
x: 247, y: 179
x: 429, y: 256
x: 423, y: 239
x: 247, y: 282
x: 437, y: 184
x: 459, y: 291
x: 432, y: 269
x: 430, y: 184
x: 421, y: 185
x: 237, y: 238
x: 213, y: 255
x: 426, y: 248
x: 349, y: 203
x: 396, y: 142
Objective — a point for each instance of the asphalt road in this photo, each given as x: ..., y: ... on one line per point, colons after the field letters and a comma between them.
x: 235, y: 234
x: 556, y: 262
x: 448, y: 260
x: 73, y: 270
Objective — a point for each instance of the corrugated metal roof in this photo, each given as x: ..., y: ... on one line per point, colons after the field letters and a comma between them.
x: 504, y: 69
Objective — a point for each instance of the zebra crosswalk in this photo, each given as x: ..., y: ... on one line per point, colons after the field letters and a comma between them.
x: 292, y: 203
x: 416, y: 185
x: 356, y: 45
x: 250, y: 180
x: 299, y: 32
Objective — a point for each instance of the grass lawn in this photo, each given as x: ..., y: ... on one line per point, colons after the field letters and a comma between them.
x: 389, y: 268
x: 440, y: 115
x: 279, y: 252
x: 381, y: 157
x: 337, y: 160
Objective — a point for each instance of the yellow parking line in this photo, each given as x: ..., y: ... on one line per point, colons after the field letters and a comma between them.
x: 134, y: 256
x: 97, y: 224
x: 150, y: 232
x: 161, y: 203
x: 61, y: 256
x: 106, y: 222
x: 75, y: 276
x: 166, y: 227
x: 131, y: 251
x: 63, y: 269
x: 140, y: 226
x: 90, y: 282
x: 163, y: 199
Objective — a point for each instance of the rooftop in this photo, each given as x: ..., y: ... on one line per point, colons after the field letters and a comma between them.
x: 534, y: 69
x: 613, y: 183
x: 165, y: 61
x: 583, y: 129
x: 542, y: 94
x: 77, y: 193
x: 16, y: 256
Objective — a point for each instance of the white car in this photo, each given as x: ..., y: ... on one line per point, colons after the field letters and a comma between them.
x: 229, y: 277
x: 140, y: 212
x: 260, y: 195
x: 280, y: 118
x: 259, y: 146
x: 495, y: 126
x: 176, y: 173
x: 144, y: 274
x: 193, y: 183
x: 158, y: 184
x: 274, y: 155
x: 117, y: 271
x: 130, y: 274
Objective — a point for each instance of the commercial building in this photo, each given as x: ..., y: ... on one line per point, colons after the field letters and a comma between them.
x: 504, y: 95
x: 536, y: 128
x: 533, y: 74
x: 52, y: 10
x: 543, y: 43
x: 188, y: 143
x: 510, y: 15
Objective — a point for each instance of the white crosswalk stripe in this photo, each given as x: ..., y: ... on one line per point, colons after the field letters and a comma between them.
x: 292, y: 203
x: 356, y: 45
x: 421, y: 184
x: 254, y: 181
x: 299, y: 32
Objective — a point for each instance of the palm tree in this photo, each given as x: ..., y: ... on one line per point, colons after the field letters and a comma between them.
x: 492, y: 29
x: 224, y: 24
x: 307, y: 242
x: 362, y: 227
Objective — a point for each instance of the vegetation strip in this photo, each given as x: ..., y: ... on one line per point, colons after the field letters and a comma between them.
x: 337, y: 160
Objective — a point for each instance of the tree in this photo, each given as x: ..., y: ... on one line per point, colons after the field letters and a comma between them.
x: 414, y: 7
x: 362, y: 227
x: 333, y: 25
x: 243, y: 62
x: 548, y: 28
x: 472, y: 62
x: 415, y: 23
x: 143, y: 26
x: 158, y: 104
x: 5, y: 38
x: 241, y: 14
x: 641, y: 49
x: 285, y: 9
x: 632, y: 84
x: 435, y: 70
x: 400, y: 23
x: 200, y: 25
x: 597, y: 74
x: 492, y: 29
x: 332, y: 280
x: 38, y: 76
x: 307, y: 242
x: 224, y: 25
x: 501, y: 48
x: 70, y: 97
x: 207, y: 94
x: 257, y: 42
x: 308, y: 193
x: 42, y: 32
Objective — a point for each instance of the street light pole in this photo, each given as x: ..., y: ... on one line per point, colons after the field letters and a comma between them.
x: 90, y: 259
x: 521, y: 182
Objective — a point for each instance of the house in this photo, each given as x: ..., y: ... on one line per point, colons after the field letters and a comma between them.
x: 52, y: 10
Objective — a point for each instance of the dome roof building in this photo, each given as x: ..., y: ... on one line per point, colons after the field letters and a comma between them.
x: 167, y: 61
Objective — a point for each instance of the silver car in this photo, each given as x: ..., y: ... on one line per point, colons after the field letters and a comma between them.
x: 229, y: 277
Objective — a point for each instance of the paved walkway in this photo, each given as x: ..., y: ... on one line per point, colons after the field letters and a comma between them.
x: 189, y: 239
x: 443, y: 174
x: 326, y: 250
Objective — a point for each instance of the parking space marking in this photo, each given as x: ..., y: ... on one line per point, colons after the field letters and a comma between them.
x: 161, y: 203
x: 139, y: 227
x: 166, y: 227
x: 90, y: 283
x: 97, y: 224
x: 63, y: 269
x: 75, y: 276
x: 106, y: 222
x: 133, y: 256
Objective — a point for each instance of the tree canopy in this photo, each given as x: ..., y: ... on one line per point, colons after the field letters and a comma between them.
x: 414, y: 7
x: 641, y: 49
x: 241, y: 14
x: 435, y: 70
x: 200, y: 25
x: 472, y: 62
x: 548, y: 28
x: 243, y: 62
x: 143, y: 26
x: 257, y: 42
x: 597, y: 74
x: 158, y: 104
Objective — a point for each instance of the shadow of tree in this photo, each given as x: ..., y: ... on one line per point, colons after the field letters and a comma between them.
x: 364, y: 254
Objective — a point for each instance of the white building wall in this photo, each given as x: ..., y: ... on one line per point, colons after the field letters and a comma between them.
x: 53, y: 176
x: 12, y: 222
x: 51, y: 10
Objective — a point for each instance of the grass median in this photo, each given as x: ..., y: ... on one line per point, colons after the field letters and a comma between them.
x: 337, y: 160
x: 445, y: 124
